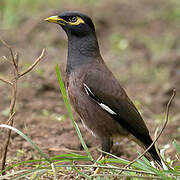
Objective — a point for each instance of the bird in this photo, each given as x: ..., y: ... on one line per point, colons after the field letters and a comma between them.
x: 95, y: 94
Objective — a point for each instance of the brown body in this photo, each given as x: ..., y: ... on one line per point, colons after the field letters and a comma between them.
x: 88, y: 109
x: 95, y: 118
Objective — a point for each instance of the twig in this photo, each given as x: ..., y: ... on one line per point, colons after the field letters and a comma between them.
x: 11, y: 52
x: 163, y: 127
x: 16, y: 58
x: 34, y: 64
x: 6, y: 59
x: 10, y: 118
x: 11, y: 112
x: 6, y: 81
x: 13, y: 84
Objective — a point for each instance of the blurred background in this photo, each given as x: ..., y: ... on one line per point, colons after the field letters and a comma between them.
x: 140, y: 43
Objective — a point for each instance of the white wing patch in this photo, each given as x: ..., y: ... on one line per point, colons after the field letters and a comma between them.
x: 103, y: 106
x: 107, y: 108
x: 87, y: 89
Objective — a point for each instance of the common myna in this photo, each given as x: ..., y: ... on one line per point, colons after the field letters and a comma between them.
x: 94, y: 92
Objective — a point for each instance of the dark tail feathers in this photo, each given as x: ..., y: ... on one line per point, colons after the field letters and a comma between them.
x: 155, y: 155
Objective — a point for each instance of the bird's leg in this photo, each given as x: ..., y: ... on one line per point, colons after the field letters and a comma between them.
x: 106, y: 144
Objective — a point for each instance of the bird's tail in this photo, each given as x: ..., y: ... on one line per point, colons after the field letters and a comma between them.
x: 147, y: 141
x: 155, y: 155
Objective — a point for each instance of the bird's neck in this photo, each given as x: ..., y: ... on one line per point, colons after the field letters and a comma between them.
x: 82, y: 50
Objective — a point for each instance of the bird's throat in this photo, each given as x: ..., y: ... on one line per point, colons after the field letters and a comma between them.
x: 82, y: 50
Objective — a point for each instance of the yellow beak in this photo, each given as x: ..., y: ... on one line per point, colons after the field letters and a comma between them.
x: 56, y: 19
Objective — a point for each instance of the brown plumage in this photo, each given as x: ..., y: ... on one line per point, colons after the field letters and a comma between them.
x: 94, y: 92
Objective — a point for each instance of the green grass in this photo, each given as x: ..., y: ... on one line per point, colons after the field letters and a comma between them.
x: 52, y: 167
x: 68, y: 107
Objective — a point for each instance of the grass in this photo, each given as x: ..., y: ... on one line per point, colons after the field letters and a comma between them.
x: 68, y: 107
x: 64, y: 164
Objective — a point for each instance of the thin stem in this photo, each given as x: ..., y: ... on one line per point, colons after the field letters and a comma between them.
x: 6, y: 81
x: 33, y: 65
x: 10, y: 118
x: 12, y: 105
x: 12, y: 54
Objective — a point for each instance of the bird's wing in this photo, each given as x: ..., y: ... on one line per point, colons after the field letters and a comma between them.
x: 103, y: 87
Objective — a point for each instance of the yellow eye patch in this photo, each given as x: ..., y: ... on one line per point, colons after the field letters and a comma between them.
x: 77, y: 22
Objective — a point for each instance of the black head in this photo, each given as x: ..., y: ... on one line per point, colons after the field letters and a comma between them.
x: 83, y: 46
x: 74, y: 23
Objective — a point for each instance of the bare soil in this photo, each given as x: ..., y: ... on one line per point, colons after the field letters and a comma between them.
x: 40, y: 103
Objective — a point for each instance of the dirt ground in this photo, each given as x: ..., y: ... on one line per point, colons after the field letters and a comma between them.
x: 148, y: 71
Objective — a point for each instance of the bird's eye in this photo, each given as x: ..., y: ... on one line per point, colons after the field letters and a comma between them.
x: 73, y: 19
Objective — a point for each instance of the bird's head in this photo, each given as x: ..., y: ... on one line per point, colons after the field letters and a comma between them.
x: 74, y: 23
